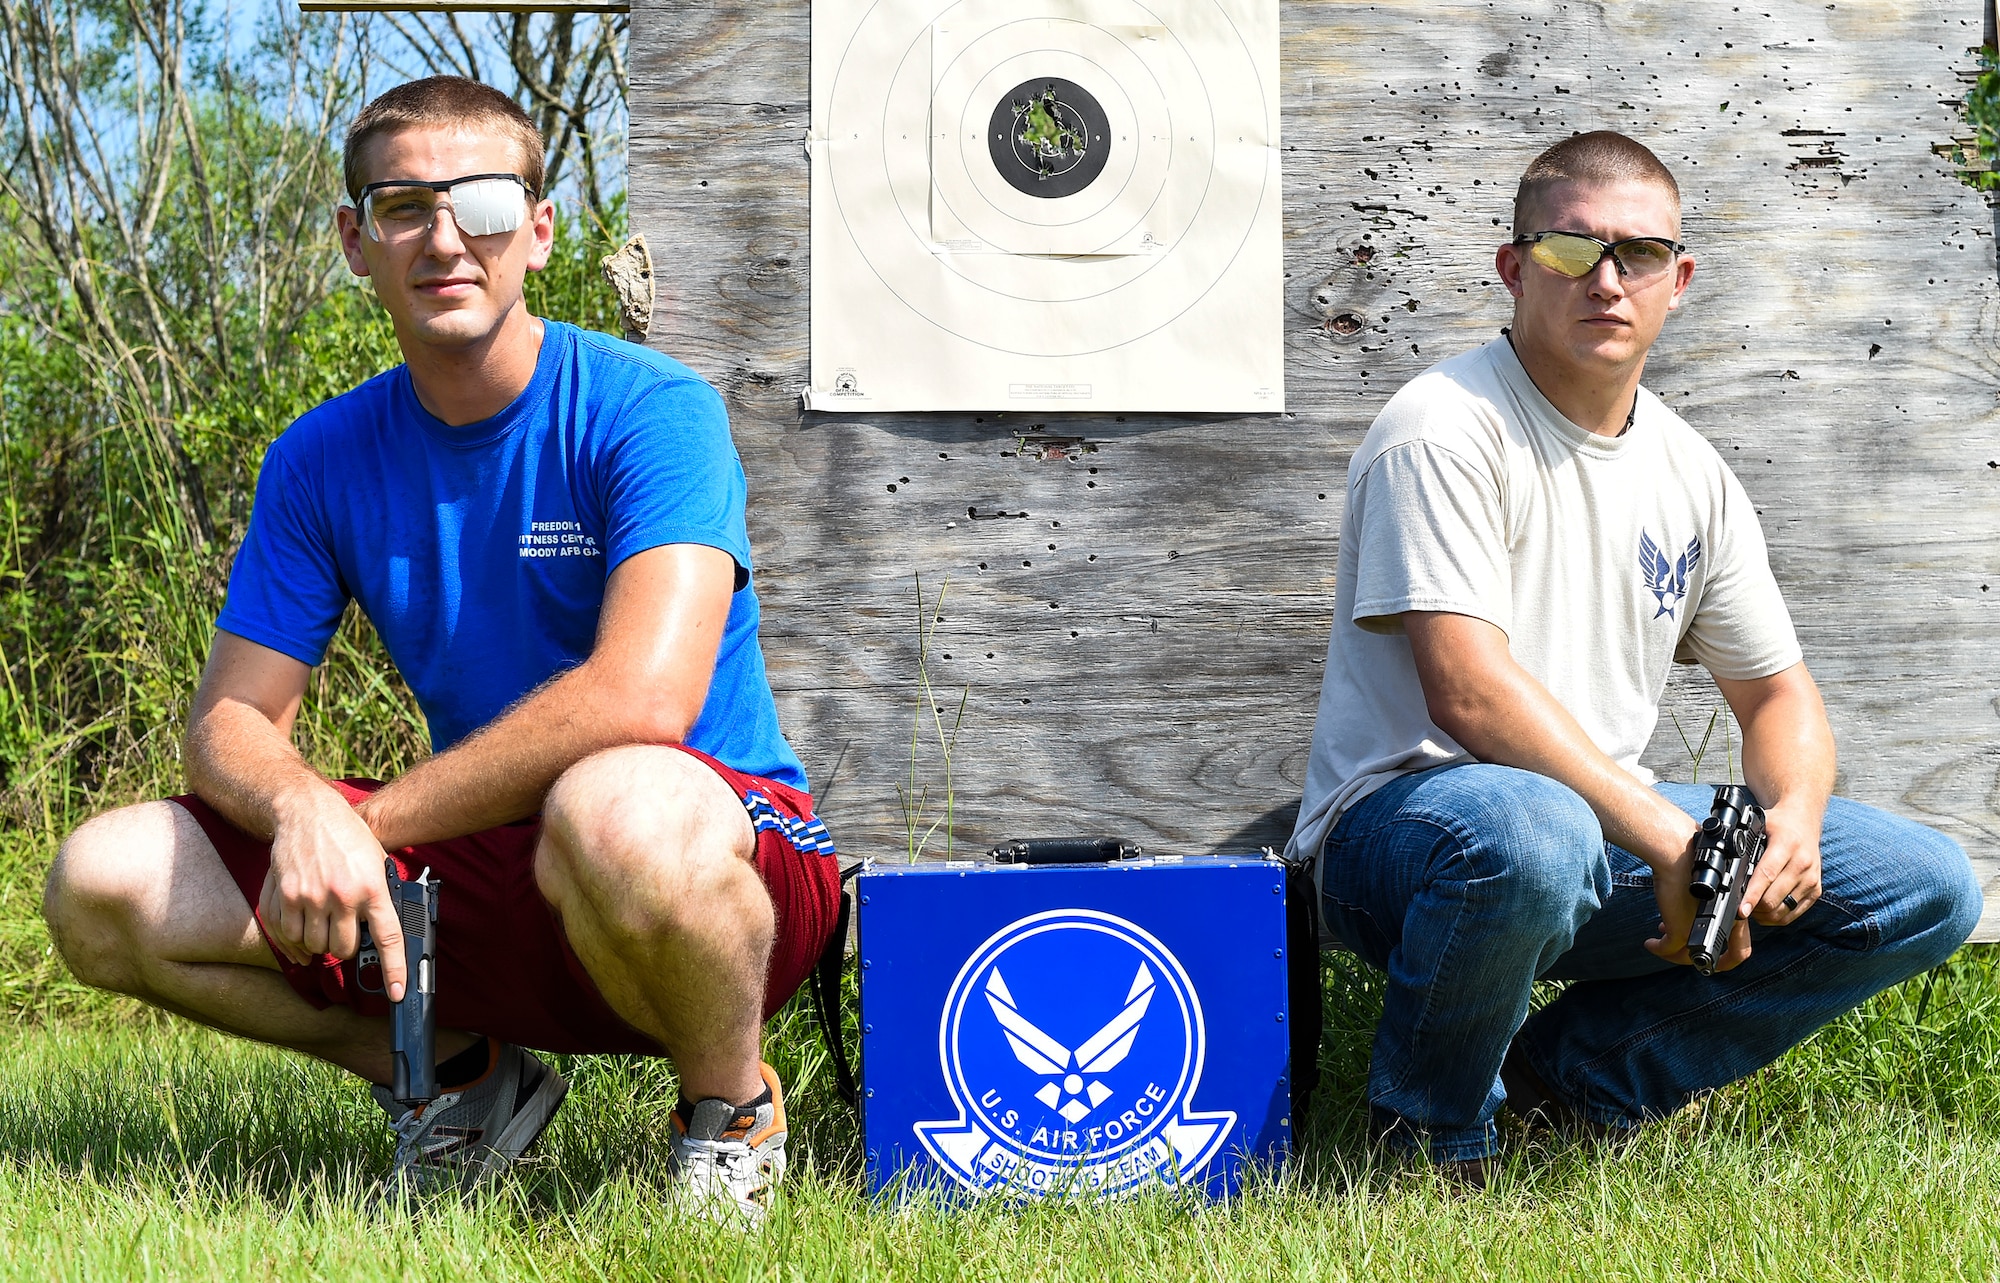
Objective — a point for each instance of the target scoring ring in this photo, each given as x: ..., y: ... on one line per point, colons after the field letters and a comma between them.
x: 1049, y: 138
x: 1153, y: 289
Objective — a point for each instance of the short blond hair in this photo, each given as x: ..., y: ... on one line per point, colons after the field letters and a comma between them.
x: 444, y: 102
x: 1601, y: 156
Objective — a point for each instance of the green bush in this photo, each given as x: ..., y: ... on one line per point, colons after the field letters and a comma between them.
x: 105, y: 606
x: 1982, y: 115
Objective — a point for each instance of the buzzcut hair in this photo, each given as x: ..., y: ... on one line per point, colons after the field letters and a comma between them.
x: 1601, y: 156
x: 444, y: 102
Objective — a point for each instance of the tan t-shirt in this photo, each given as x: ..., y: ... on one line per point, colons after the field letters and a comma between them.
x: 1603, y: 560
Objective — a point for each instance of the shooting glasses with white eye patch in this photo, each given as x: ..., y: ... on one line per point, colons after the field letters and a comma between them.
x: 399, y: 209
x: 1577, y: 255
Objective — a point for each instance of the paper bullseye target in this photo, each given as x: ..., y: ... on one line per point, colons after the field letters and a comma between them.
x: 1048, y: 138
x: 1058, y: 204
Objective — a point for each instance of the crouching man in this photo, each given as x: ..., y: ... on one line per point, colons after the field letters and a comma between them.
x: 546, y: 526
x: 1531, y: 539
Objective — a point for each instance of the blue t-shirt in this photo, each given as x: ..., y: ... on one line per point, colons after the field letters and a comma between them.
x: 480, y: 552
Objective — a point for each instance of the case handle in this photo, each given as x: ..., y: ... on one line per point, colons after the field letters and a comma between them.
x: 1071, y: 850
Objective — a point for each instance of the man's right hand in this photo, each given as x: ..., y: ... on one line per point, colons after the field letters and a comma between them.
x: 326, y: 877
x: 1477, y: 694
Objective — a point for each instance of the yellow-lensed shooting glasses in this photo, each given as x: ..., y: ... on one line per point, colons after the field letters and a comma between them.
x: 1576, y: 255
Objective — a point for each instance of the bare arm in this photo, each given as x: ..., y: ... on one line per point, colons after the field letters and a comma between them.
x: 326, y: 868
x: 1481, y: 697
x: 1788, y: 762
x: 645, y: 682
x: 240, y: 757
x: 1477, y: 694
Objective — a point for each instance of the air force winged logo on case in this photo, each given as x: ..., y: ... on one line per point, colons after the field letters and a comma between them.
x: 1667, y: 580
x: 1072, y: 1043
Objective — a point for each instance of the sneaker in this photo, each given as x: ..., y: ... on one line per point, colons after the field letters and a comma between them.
x: 728, y: 1158
x: 472, y: 1133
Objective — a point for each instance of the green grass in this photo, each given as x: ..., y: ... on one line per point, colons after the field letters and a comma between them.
x: 136, y: 1146
x: 155, y: 1150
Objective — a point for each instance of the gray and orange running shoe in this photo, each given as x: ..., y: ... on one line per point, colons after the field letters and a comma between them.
x: 728, y: 1158
x: 471, y: 1134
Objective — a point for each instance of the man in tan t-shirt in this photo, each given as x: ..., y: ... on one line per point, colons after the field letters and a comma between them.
x: 1531, y: 539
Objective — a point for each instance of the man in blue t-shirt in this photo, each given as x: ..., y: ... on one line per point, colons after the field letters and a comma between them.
x: 546, y: 527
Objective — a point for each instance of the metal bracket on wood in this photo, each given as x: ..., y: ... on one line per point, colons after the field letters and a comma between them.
x: 465, y: 6
x: 630, y: 271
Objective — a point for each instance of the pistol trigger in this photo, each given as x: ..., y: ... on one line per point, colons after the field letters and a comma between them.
x: 365, y: 957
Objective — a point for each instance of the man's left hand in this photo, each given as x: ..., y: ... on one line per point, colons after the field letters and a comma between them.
x: 1790, y: 867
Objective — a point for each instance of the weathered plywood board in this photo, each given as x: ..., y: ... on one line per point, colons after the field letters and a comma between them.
x: 1138, y: 607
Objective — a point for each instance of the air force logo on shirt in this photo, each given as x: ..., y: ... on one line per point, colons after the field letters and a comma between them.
x: 1072, y: 1043
x: 1667, y: 580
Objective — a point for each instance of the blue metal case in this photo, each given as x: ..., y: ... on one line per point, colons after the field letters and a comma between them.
x: 1074, y: 1029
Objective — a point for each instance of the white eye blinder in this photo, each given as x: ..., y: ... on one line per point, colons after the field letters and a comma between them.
x: 487, y: 206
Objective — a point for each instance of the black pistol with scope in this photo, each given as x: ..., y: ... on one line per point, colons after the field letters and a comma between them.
x: 1726, y: 851
x: 412, y: 1021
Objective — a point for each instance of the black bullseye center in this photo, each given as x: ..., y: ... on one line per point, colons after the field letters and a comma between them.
x: 1049, y: 138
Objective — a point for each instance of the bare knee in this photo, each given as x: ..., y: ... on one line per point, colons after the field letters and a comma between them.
x: 644, y: 836
x: 101, y: 887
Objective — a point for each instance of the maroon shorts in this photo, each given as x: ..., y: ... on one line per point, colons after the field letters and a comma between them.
x: 504, y: 967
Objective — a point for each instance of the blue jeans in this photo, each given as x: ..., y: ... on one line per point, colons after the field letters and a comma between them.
x: 1465, y: 884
